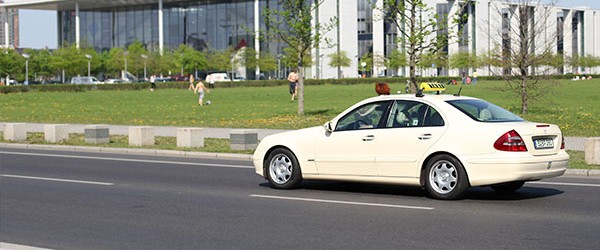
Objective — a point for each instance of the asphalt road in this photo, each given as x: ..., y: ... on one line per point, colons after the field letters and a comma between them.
x: 74, y: 200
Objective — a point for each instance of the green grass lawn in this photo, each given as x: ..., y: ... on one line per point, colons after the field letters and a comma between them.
x: 573, y: 105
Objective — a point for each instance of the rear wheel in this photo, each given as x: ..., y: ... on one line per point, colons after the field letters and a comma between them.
x: 446, y: 178
x: 283, y: 170
x: 508, y: 187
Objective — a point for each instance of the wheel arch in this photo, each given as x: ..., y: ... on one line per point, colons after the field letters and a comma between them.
x: 423, y: 170
x: 268, y: 152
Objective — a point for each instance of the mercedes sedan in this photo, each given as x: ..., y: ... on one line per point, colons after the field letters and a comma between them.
x: 443, y: 143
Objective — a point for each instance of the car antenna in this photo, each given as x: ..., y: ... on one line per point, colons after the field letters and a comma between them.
x: 419, y: 93
x: 459, y: 90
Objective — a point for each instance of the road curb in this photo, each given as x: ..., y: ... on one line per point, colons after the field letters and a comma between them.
x: 190, y: 154
x: 583, y: 172
x: 136, y: 151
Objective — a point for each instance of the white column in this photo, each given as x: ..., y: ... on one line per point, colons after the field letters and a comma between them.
x: 378, y: 35
x: 595, y: 35
x: 6, y: 40
x: 348, y: 35
x: 77, y: 34
x: 257, y: 34
x: 160, y: 27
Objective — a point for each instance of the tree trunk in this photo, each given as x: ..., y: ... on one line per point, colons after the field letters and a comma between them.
x: 413, y: 79
x: 524, y: 97
x: 300, y: 83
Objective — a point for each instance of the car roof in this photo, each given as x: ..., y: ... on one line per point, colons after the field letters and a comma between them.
x: 427, y: 97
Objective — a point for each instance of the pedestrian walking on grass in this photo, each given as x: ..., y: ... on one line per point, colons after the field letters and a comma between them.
x: 152, y: 83
x: 192, y: 87
x: 293, y: 79
x: 199, y: 89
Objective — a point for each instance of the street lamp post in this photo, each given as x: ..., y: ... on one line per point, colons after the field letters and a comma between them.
x: 26, y: 69
x: 89, y: 57
x: 145, y: 57
x: 125, y: 70
x: 279, y: 65
x: 232, y: 60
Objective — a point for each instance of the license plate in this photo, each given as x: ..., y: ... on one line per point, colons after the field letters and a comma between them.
x: 543, y: 143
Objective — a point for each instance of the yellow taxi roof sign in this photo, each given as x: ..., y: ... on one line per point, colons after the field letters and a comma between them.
x: 432, y: 86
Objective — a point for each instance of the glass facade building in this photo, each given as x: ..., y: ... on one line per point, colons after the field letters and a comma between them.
x: 200, y: 24
x: 11, y: 18
x: 362, y: 28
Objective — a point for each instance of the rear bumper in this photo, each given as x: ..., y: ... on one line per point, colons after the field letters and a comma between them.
x: 522, y: 167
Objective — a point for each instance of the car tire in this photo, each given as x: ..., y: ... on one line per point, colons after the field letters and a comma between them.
x: 508, y: 187
x: 283, y: 170
x: 445, y: 178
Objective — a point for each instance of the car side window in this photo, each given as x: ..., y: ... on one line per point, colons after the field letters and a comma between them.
x: 367, y: 116
x: 433, y: 118
x: 413, y: 114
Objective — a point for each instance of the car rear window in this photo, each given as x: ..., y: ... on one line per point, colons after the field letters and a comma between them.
x: 483, y: 111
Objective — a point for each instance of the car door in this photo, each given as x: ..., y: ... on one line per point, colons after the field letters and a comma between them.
x: 412, y: 128
x: 350, y: 148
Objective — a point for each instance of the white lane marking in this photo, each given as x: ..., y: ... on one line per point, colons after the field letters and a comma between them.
x: 8, y: 246
x: 340, y: 202
x: 565, y: 184
x: 130, y: 160
x: 59, y: 180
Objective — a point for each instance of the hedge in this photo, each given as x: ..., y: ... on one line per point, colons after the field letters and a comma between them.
x: 254, y: 83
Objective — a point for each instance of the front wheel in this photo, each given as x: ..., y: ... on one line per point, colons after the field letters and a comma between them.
x: 282, y: 169
x: 446, y: 178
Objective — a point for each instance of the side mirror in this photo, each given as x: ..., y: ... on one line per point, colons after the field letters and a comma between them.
x: 328, y: 127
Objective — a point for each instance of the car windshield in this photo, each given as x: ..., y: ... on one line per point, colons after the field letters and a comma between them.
x: 483, y: 111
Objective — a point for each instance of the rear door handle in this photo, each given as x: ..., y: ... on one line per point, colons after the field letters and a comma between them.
x: 425, y: 137
x: 368, y: 138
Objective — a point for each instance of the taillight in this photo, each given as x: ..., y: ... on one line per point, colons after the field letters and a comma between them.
x: 562, y: 143
x: 510, y: 141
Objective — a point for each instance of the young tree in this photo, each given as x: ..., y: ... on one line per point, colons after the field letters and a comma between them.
x: 525, y: 46
x: 584, y: 62
x: 395, y: 60
x: 223, y: 60
x: 265, y: 61
x: 463, y: 60
x: 339, y: 60
x: 423, y: 31
x: 11, y: 64
x: 292, y: 24
x: 190, y: 59
x: 116, y: 61
x: 70, y: 60
x: 135, y: 62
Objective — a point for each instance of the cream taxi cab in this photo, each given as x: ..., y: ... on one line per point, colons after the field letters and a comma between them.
x: 444, y: 143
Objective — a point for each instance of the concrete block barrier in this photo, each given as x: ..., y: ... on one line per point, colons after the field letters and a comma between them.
x: 15, y: 131
x: 141, y: 136
x: 190, y: 137
x: 243, y: 139
x: 96, y: 134
x: 592, y: 150
x: 54, y: 133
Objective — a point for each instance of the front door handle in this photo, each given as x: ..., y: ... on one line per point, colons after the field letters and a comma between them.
x: 368, y: 138
x: 425, y: 137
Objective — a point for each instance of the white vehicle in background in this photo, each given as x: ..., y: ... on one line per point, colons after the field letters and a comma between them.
x: 85, y: 80
x: 114, y: 80
x: 219, y: 77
